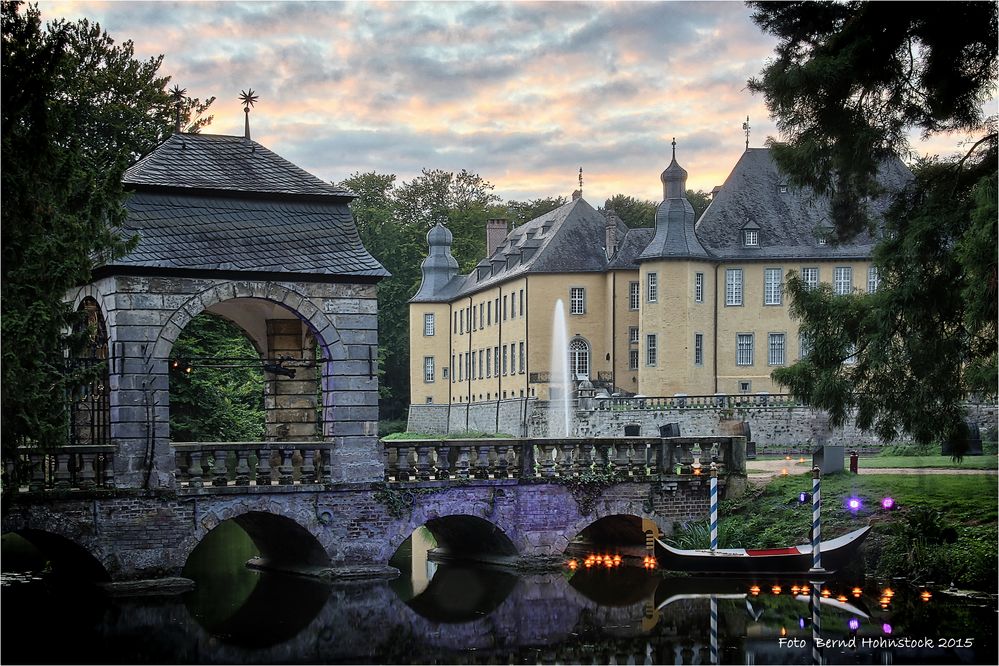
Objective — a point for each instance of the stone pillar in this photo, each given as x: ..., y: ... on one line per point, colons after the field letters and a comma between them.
x: 290, y: 403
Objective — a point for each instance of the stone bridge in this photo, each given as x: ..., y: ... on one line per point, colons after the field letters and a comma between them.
x: 520, y: 499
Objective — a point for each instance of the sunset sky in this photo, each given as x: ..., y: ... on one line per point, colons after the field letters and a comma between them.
x: 522, y: 93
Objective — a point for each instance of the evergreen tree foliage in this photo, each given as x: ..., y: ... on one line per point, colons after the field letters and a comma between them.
x: 642, y: 212
x: 77, y: 109
x: 216, y: 404
x: 849, y: 81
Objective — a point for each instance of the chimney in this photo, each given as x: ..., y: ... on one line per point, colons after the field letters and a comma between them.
x: 610, y: 232
x: 496, y: 231
x: 577, y: 194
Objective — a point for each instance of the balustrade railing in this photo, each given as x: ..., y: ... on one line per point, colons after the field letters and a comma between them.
x: 717, y: 401
x: 622, y: 458
x: 80, y: 467
x: 246, y: 464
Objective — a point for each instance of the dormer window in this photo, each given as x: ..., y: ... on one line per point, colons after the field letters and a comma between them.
x: 751, y: 237
x: 782, y: 188
x: 822, y: 240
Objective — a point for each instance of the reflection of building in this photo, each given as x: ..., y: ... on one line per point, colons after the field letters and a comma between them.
x: 675, y: 308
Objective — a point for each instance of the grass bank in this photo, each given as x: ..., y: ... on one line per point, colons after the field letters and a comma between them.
x: 943, y: 529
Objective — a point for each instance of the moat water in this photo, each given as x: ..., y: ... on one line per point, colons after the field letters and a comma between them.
x: 448, y: 613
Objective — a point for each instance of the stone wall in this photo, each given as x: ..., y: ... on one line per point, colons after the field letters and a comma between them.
x: 774, y: 426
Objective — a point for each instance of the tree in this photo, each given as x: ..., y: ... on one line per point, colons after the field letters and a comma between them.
x: 849, y: 81
x: 525, y: 211
x: 77, y: 109
x: 699, y: 201
x: 634, y: 212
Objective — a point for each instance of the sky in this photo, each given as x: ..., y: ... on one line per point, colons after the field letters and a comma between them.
x: 524, y: 94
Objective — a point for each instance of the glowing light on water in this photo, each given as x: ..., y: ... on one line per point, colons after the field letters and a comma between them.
x: 854, y: 624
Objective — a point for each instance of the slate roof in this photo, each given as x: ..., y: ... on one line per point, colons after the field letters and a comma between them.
x: 787, y: 221
x: 630, y: 247
x: 229, y: 163
x: 222, y: 203
x: 569, y: 239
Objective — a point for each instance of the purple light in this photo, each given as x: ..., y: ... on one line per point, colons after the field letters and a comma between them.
x: 886, y: 628
x: 854, y: 624
x: 888, y: 504
x: 853, y: 504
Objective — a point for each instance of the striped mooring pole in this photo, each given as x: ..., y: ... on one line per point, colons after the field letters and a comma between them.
x: 816, y: 520
x: 816, y: 623
x: 714, y: 507
x: 714, y: 630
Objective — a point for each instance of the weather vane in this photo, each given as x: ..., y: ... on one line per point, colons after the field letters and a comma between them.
x: 745, y: 127
x: 248, y: 99
x: 580, y: 181
x: 674, y: 148
x: 178, y: 101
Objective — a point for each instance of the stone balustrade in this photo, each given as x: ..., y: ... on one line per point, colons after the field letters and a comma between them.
x: 216, y: 465
x: 717, y: 401
x: 627, y: 458
x: 78, y: 467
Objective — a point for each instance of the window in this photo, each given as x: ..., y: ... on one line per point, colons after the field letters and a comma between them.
x: 489, y: 313
x: 745, y: 386
x: 851, y: 355
x: 454, y: 375
x: 822, y: 240
x: 772, y: 279
x: 444, y: 373
x: 652, y: 287
x: 698, y: 349
x: 782, y: 188
x: 468, y: 365
x: 698, y: 287
x: 804, y: 345
x: 579, y: 358
x: 810, y: 276
x: 842, y: 280
x: 744, y: 349
x: 489, y: 362
x: 496, y: 361
x: 430, y: 399
x: 577, y: 300
x: 633, y: 359
x: 497, y: 310
x: 504, y: 308
x: 513, y: 307
x: 751, y: 237
x: 521, y: 302
x: 461, y: 374
x: 428, y: 324
x: 513, y: 357
x: 461, y: 323
x: 633, y: 295
x: 504, y: 360
x: 632, y: 335
x: 474, y: 323
x: 873, y: 280
x: 776, y: 349
x: 482, y: 320
x: 733, y: 286
x: 482, y: 354
x: 454, y: 325
x: 651, y: 349
x: 523, y: 358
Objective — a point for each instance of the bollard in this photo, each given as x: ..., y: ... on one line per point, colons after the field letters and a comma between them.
x: 854, y: 461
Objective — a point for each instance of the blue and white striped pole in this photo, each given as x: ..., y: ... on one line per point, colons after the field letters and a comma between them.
x: 816, y: 521
x: 714, y: 630
x: 816, y: 623
x: 714, y: 507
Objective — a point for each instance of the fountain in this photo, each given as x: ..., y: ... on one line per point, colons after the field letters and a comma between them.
x: 560, y: 382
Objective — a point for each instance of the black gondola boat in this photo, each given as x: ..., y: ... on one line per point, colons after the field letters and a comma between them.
x: 836, y: 553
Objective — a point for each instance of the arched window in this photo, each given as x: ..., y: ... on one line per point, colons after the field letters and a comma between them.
x: 89, y: 401
x: 579, y: 358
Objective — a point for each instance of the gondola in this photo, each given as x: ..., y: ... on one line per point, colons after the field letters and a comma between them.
x: 836, y: 553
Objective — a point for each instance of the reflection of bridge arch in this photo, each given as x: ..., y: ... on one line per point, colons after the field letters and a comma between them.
x: 68, y: 557
x: 461, y: 535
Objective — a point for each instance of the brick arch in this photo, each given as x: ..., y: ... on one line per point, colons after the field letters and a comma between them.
x: 426, y: 512
x: 93, y: 291
x: 615, y: 508
x: 295, y: 301
x: 58, y: 525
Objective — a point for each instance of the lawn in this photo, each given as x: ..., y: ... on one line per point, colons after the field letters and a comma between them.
x: 945, y: 462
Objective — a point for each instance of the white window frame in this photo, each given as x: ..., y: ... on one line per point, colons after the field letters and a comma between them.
x: 577, y: 300
x: 504, y: 360
x: 513, y: 307
x: 773, y: 280
x: 776, y: 349
x: 651, y: 350
x: 429, y: 324
x: 633, y: 357
x: 496, y: 361
x: 698, y: 287
x: 744, y: 344
x: 810, y: 276
x: 652, y: 287
x: 489, y: 362
x: 751, y: 237
x: 428, y: 370
x: 733, y: 287
x: 842, y: 280
x: 873, y: 280
x: 579, y: 358
x: 523, y: 357
x: 481, y: 358
x: 804, y: 346
x: 698, y: 349
x: 634, y: 295
x: 513, y: 357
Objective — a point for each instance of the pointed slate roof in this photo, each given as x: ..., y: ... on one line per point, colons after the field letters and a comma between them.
x: 790, y: 220
x: 208, y: 203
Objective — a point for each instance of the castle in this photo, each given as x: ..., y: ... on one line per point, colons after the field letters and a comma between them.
x: 677, y: 308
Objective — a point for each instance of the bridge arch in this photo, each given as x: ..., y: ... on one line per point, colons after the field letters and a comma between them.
x: 463, y: 535
x: 617, y: 521
x: 67, y: 555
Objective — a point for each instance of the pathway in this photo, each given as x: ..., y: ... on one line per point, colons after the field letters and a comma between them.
x: 761, y: 471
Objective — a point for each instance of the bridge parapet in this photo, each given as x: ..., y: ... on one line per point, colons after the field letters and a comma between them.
x: 626, y: 458
x: 74, y: 467
x: 204, y: 467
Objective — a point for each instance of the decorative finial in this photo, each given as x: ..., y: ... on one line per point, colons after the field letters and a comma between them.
x: 248, y: 99
x: 745, y: 127
x: 178, y: 101
x: 674, y: 149
x: 580, y: 181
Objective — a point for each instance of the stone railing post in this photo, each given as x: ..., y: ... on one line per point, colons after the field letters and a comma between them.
x: 243, y: 467
x: 219, y: 472
x: 88, y: 476
x: 287, y: 470
x: 502, y: 462
x: 423, y: 462
x: 461, y: 465
x: 308, y: 466
x: 195, y: 471
x: 443, y: 452
x: 263, y: 467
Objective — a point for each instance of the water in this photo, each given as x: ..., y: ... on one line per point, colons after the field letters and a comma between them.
x: 560, y: 384
x: 448, y: 613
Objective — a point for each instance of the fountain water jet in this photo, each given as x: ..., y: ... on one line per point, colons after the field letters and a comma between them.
x: 560, y: 382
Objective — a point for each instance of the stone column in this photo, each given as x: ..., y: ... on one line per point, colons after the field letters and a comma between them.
x: 290, y: 403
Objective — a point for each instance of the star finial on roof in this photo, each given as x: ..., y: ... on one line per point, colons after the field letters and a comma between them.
x: 178, y: 94
x: 248, y: 99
